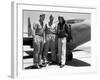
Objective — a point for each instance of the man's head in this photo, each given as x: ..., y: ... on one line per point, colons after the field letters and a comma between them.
x: 51, y: 18
x: 42, y: 17
x: 60, y: 19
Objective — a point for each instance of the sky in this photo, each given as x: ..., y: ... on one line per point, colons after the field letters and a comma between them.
x: 34, y: 16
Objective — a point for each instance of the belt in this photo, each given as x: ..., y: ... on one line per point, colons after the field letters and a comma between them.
x: 39, y: 34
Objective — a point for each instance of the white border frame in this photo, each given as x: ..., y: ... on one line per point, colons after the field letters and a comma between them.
x: 17, y: 41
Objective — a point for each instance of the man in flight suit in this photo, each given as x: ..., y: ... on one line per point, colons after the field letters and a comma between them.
x: 62, y: 32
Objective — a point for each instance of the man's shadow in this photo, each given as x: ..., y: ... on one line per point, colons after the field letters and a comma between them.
x: 77, y: 63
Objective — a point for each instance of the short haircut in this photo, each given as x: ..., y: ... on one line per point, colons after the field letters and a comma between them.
x: 42, y: 15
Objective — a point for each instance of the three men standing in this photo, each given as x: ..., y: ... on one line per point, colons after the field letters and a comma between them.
x: 44, y: 39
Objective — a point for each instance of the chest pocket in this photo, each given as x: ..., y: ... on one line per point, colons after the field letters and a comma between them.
x: 39, y: 29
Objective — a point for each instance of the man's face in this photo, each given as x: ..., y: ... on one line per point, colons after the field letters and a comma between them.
x: 42, y: 17
x: 51, y: 18
x: 60, y: 20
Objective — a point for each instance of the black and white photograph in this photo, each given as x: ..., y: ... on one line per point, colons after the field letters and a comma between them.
x: 52, y: 40
x: 56, y: 39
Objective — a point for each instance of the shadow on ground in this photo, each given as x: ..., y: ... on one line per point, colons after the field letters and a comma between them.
x: 77, y: 63
x: 74, y: 63
x: 31, y: 67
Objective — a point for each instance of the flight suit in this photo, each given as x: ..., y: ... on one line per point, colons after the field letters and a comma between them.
x: 50, y: 41
x: 38, y: 41
x: 62, y: 32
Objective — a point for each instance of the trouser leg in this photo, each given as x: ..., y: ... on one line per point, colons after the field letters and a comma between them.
x: 46, y: 48
x: 36, y: 53
x: 41, y: 52
x: 59, y: 50
x: 63, y: 53
x: 53, y: 50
